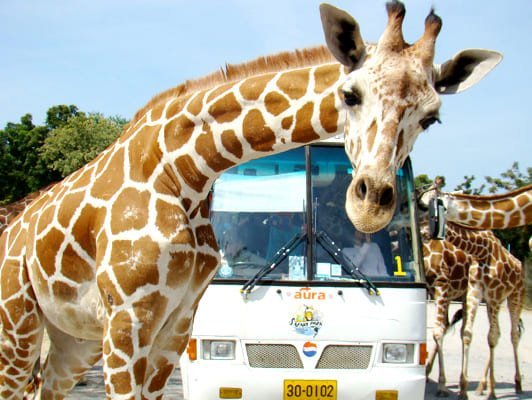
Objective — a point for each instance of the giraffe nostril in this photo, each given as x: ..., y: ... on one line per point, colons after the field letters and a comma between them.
x: 361, y: 189
x: 386, y: 197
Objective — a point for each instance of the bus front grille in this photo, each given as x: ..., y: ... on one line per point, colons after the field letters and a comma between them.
x: 273, y: 356
x: 345, y: 357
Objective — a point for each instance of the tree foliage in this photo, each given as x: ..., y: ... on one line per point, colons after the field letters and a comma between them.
x: 77, y: 141
x: 32, y: 157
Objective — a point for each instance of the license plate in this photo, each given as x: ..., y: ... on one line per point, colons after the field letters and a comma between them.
x: 295, y: 389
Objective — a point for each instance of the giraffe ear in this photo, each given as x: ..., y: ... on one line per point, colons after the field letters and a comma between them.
x: 342, y: 35
x: 464, y: 70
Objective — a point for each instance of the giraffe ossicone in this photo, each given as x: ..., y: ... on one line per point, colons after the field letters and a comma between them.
x: 114, y: 259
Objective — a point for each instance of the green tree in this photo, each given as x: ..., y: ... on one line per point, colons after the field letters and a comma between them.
x: 22, y: 169
x: 467, y: 186
x: 80, y: 139
x: 59, y: 115
x: 511, y: 179
x: 422, y: 180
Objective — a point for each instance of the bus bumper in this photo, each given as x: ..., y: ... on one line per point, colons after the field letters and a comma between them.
x: 206, y: 382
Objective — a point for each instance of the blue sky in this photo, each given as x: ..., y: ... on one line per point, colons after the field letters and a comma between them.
x: 113, y: 56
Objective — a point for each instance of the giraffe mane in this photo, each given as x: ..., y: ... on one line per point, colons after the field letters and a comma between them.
x: 497, y: 196
x: 232, y: 72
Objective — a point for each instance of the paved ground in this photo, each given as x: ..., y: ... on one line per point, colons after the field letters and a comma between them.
x: 504, y: 367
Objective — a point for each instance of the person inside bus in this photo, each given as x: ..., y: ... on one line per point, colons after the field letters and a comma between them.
x: 366, y: 255
x: 243, y: 262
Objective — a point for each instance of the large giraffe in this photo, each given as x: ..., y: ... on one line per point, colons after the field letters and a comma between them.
x: 495, y: 275
x: 115, y: 258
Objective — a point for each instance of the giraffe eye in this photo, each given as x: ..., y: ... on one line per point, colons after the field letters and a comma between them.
x: 428, y: 121
x: 352, y: 98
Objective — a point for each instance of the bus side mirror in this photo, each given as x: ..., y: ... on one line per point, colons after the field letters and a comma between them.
x: 436, y: 219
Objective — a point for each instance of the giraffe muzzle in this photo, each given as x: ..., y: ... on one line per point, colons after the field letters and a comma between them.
x: 370, y: 203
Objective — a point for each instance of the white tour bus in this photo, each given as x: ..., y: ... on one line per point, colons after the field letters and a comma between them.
x: 304, y: 307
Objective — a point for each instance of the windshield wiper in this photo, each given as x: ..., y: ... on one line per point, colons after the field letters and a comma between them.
x: 277, y: 259
x: 347, y: 265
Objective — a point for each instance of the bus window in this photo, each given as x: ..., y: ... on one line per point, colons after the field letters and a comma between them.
x: 257, y: 208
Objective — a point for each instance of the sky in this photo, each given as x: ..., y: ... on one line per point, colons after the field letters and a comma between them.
x: 112, y: 56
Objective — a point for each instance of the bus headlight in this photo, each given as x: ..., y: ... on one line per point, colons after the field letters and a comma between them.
x: 218, y: 349
x: 398, y: 353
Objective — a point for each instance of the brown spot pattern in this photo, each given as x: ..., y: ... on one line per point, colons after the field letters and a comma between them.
x: 144, y: 153
x: 179, y: 268
x: 325, y: 77
x: 177, y: 132
x: 139, y: 370
x: 120, y: 332
x: 47, y: 248
x: 87, y: 226
x: 111, y: 179
x: 170, y: 218
x: 303, y: 131
x: 252, y: 88
x: 130, y: 210
x: 231, y: 143
x: 74, y: 267
x: 276, y: 103
x: 64, y: 291
x: 206, y: 148
x: 225, y: 109
x: 294, y: 83
x: 150, y: 311
x: 195, y: 106
x: 257, y: 133
x: 68, y: 207
x: 190, y: 172
x: 329, y: 114
x: 135, y: 263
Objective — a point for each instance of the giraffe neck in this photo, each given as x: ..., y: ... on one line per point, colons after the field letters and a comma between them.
x: 185, y: 142
x: 503, y: 211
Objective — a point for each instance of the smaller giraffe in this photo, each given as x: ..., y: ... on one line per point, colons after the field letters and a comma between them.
x: 500, y: 211
x: 496, y: 276
x: 446, y: 272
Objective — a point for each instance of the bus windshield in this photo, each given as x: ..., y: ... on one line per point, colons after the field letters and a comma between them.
x: 285, y: 215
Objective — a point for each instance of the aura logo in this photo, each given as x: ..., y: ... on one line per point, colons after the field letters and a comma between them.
x: 307, y: 293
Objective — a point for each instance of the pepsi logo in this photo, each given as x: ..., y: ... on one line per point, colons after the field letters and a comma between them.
x: 310, y: 349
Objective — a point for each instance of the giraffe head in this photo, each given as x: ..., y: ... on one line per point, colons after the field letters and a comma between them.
x: 391, y: 93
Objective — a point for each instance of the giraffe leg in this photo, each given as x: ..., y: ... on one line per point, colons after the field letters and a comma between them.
x: 68, y: 360
x: 21, y: 329
x: 438, y: 333
x: 515, y: 306
x: 474, y: 295
x: 164, y: 356
x: 494, y: 334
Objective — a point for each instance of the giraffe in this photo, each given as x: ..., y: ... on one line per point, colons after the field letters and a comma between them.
x: 499, y: 211
x: 9, y: 211
x: 114, y: 259
x: 495, y: 275
x: 446, y: 272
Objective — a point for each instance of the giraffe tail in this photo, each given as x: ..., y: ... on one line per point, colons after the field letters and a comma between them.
x: 459, y: 315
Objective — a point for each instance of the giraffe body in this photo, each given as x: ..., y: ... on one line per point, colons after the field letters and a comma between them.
x: 114, y: 259
x: 493, y: 274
